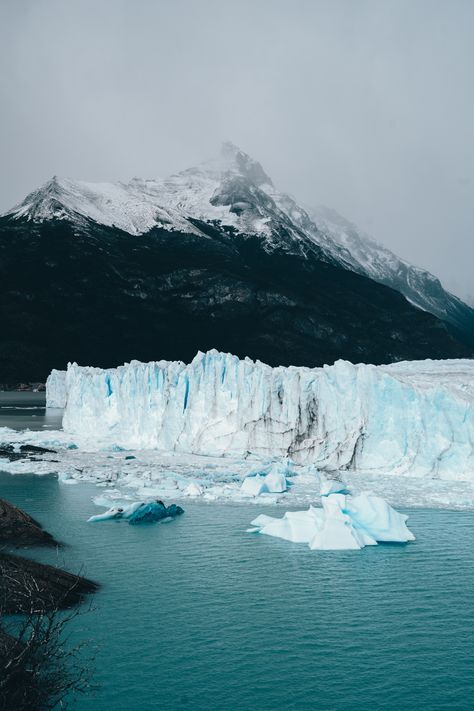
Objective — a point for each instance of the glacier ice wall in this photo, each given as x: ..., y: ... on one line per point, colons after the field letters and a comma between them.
x: 413, y: 418
x: 56, y: 389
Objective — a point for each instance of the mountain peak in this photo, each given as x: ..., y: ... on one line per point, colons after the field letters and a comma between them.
x: 234, y: 160
x: 46, y: 201
x: 231, y: 161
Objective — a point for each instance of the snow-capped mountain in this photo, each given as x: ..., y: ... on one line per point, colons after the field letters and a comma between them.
x: 211, y: 257
x: 232, y: 190
x: 235, y: 191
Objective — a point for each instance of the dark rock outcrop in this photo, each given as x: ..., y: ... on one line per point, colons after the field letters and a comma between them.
x: 17, y: 528
x: 25, y: 451
x: 30, y: 587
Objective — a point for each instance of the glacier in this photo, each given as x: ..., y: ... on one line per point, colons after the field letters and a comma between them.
x: 411, y: 419
x: 56, y: 389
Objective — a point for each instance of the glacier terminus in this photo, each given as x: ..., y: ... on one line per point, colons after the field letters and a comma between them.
x: 409, y: 418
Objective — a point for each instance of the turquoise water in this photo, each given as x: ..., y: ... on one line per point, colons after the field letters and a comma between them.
x: 199, y: 615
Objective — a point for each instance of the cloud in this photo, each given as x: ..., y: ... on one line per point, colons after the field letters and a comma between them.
x: 364, y: 106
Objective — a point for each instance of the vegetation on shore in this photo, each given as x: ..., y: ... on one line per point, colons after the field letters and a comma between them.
x: 39, y: 667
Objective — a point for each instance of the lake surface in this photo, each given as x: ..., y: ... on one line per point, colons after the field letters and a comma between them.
x: 197, y: 614
x: 22, y: 410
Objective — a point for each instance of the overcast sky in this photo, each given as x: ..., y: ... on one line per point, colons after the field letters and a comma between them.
x: 363, y: 105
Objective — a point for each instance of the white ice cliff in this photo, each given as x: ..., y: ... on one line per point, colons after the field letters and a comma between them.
x: 412, y: 418
x: 343, y: 523
x: 56, y: 389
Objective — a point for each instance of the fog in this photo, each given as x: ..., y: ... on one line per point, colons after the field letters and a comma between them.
x: 365, y: 106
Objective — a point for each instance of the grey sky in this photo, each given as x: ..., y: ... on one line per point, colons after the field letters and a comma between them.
x: 363, y: 105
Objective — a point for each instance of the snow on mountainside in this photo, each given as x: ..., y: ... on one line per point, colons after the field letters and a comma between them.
x: 126, y: 206
x: 235, y: 192
x: 368, y: 257
x: 232, y: 190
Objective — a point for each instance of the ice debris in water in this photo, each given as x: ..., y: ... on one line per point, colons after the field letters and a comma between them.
x: 193, y: 489
x: 140, y: 512
x: 274, y: 482
x: 343, y: 523
x: 413, y: 418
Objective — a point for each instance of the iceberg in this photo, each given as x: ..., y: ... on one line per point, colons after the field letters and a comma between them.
x: 343, y: 523
x: 332, y: 486
x: 139, y: 512
x: 274, y: 482
x: 154, y: 511
x: 193, y: 489
x: 373, y: 515
x: 115, y: 513
x: 253, y: 485
x: 413, y: 418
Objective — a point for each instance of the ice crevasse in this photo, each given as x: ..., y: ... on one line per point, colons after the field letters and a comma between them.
x: 413, y: 418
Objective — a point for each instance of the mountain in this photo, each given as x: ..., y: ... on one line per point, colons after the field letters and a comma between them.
x: 365, y: 256
x: 212, y: 257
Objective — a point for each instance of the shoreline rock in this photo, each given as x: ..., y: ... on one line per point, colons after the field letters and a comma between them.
x: 27, y: 586
x: 19, y: 529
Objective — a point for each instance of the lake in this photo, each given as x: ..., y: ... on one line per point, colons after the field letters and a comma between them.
x: 197, y: 614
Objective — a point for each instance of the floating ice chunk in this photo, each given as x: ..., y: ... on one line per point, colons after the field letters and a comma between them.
x: 193, y: 489
x: 272, y: 483
x: 253, y: 485
x: 295, y: 526
x: 262, y: 520
x: 139, y: 512
x: 343, y: 523
x: 116, y: 512
x: 66, y: 478
x: 335, y: 534
x: 332, y: 486
x: 375, y: 516
x: 154, y: 511
x: 275, y: 481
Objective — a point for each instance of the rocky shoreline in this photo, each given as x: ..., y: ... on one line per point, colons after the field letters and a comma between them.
x: 27, y: 586
x: 18, y: 528
x: 37, y: 670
